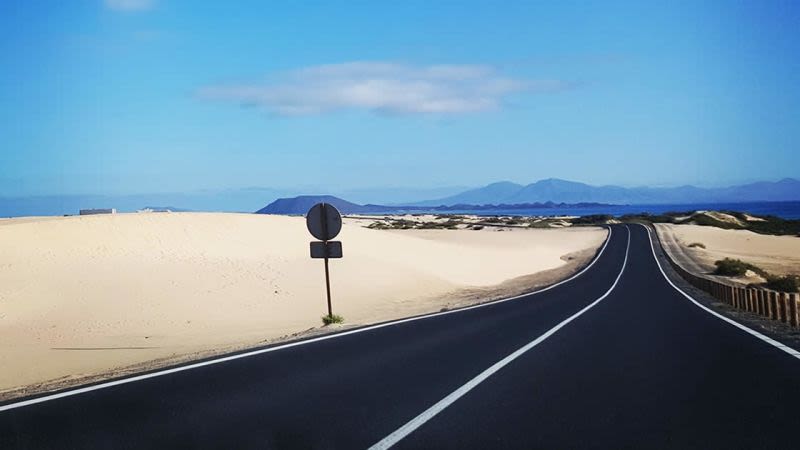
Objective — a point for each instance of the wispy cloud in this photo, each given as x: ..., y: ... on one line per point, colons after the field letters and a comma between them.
x: 383, y: 87
x: 129, y: 5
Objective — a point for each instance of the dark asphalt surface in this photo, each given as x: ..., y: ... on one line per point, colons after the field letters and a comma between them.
x: 644, y: 368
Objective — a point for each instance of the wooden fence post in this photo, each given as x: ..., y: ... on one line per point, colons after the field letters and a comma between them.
x: 759, y: 303
x: 776, y: 307
x: 784, y: 307
x: 793, y: 310
x: 765, y: 297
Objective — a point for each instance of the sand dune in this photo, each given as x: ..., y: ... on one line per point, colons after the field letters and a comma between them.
x: 81, y: 296
x: 779, y: 255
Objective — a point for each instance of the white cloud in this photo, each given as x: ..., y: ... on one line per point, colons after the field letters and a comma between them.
x: 381, y: 87
x: 129, y: 5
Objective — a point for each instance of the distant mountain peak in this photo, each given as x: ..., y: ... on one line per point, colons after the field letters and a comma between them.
x: 301, y: 204
x: 566, y: 191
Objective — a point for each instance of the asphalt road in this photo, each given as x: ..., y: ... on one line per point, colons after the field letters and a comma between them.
x: 614, y: 358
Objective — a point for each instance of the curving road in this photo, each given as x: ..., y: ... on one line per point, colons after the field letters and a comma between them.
x: 614, y: 358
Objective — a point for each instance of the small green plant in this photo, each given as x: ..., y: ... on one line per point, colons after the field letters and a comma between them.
x: 331, y: 319
x: 697, y: 245
x: 786, y: 283
x: 539, y: 224
x: 729, y: 267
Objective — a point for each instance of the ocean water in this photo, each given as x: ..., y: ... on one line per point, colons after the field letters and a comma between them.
x: 786, y: 210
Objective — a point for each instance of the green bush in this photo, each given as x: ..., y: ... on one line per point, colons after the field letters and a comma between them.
x: 540, y: 224
x: 708, y: 221
x: 775, y: 225
x: 735, y: 268
x: 645, y: 217
x: 786, y: 283
x: 593, y: 219
x: 379, y: 226
x: 697, y: 245
x: 492, y: 221
x: 335, y: 318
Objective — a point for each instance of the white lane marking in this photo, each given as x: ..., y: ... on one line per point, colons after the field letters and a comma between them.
x: 750, y: 331
x: 146, y: 376
x: 429, y: 413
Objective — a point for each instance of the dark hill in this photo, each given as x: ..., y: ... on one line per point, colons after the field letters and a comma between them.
x: 301, y: 205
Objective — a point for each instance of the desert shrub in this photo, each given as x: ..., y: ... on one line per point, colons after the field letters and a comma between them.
x: 775, y: 225
x: 331, y: 319
x: 786, y: 283
x: 539, y: 224
x: 735, y: 268
x: 697, y: 245
x: 492, y: 221
x: 646, y: 217
x: 403, y: 224
x: 592, y: 219
x: 477, y: 227
x: 429, y: 226
x: 379, y: 226
x: 706, y: 220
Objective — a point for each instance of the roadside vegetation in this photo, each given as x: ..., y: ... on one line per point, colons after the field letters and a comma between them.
x: 786, y: 283
x: 729, y: 220
x: 737, y: 268
x: 593, y: 219
x: 455, y: 222
x: 331, y: 319
x: 730, y: 267
x: 697, y: 245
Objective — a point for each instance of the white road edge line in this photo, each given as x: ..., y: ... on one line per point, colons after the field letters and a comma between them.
x: 750, y: 331
x: 429, y: 413
x: 146, y: 376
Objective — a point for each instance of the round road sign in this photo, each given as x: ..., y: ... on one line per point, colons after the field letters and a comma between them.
x: 324, y: 221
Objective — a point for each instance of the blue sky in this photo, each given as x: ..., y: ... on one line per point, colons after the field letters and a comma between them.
x: 134, y: 96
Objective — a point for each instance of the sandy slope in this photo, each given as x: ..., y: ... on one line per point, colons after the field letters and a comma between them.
x: 776, y: 254
x: 87, y: 295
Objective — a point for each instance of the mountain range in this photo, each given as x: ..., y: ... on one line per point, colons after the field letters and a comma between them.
x: 556, y: 190
x: 507, y: 193
x: 301, y: 204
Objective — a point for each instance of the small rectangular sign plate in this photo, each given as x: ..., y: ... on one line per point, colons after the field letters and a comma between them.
x: 333, y: 249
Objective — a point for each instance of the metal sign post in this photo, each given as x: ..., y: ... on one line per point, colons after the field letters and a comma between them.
x: 324, y: 223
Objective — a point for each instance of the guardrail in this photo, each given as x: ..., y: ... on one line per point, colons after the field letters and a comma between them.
x: 781, y: 306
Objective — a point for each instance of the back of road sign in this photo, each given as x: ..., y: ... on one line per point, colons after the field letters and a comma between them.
x: 324, y: 221
x: 329, y: 249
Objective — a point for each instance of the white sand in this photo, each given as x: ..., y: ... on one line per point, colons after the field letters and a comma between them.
x: 88, y: 295
x: 779, y: 255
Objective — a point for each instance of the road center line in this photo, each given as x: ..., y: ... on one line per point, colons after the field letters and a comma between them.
x: 108, y: 384
x: 747, y: 330
x: 429, y: 413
